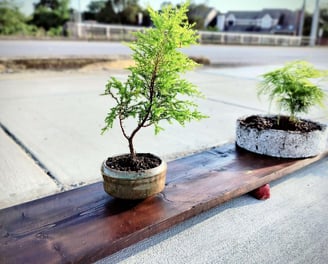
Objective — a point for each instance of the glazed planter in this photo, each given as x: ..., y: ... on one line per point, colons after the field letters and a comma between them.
x: 134, y: 185
x: 282, y: 143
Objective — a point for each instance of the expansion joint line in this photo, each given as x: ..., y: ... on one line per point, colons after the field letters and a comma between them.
x: 33, y: 157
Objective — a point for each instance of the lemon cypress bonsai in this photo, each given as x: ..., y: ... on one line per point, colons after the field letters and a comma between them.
x: 154, y: 90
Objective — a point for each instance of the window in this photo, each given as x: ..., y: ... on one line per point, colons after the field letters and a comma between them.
x: 231, y: 20
x: 266, y: 21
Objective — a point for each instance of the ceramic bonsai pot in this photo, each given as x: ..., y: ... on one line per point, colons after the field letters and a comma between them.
x: 134, y: 185
x: 282, y: 143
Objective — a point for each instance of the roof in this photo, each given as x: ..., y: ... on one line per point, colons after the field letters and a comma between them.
x: 274, y: 13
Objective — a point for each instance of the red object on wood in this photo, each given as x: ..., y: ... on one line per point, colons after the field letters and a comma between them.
x: 85, y: 224
x: 262, y: 193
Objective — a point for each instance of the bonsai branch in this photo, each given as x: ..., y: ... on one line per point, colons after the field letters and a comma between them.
x: 122, y: 127
x: 149, y: 109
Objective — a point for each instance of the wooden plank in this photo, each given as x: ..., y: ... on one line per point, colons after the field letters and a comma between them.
x: 85, y: 225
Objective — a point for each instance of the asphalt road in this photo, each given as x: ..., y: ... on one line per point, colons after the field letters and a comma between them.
x: 245, y: 55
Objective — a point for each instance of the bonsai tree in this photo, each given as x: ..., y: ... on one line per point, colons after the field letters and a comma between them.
x: 154, y: 90
x: 292, y: 89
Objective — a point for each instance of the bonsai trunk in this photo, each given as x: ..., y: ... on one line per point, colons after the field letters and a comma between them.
x: 148, y: 112
x: 131, y: 148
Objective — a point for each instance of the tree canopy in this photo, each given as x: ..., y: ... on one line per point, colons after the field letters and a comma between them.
x: 154, y: 89
x: 12, y: 21
x: 114, y: 11
x: 50, y: 14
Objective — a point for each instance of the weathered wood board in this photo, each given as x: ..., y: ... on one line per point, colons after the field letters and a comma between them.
x: 85, y: 225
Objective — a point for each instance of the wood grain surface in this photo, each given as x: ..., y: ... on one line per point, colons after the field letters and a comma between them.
x: 85, y: 224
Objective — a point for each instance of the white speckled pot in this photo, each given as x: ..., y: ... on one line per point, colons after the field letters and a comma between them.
x: 281, y: 143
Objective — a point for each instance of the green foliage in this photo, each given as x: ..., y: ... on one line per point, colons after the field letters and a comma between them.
x: 94, y: 9
x: 12, y: 21
x: 130, y: 13
x: 154, y: 90
x: 107, y: 14
x: 119, y: 12
x: 197, y: 14
x: 55, y: 32
x: 212, y: 29
x: 292, y: 89
x: 51, y: 4
x: 324, y: 21
x: 50, y: 14
x: 96, y: 6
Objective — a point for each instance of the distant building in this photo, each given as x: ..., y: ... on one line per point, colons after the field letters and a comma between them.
x: 270, y: 21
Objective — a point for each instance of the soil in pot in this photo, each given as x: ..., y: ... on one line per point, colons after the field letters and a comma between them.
x: 143, y: 161
x: 279, y: 123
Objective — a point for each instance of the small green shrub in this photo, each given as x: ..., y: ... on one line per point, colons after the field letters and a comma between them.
x: 292, y: 88
x: 55, y: 32
x: 154, y: 91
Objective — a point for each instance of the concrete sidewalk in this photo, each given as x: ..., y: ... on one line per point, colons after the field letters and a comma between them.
x: 57, y: 117
x: 53, y: 143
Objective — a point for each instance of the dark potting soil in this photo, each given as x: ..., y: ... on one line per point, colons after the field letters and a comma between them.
x: 279, y: 123
x: 143, y: 161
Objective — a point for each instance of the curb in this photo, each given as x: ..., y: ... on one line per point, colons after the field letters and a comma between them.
x: 66, y: 63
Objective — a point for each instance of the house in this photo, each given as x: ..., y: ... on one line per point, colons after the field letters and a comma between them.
x: 271, y: 21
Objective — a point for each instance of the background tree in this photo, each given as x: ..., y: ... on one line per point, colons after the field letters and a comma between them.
x: 94, y: 9
x: 52, y: 4
x: 107, y: 14
x: 130, y: 14
x: 119, y: 12
x: 50, y: 14
x: 120, y: 5
x: 12, y: 21
x: 307, y: 24
x: 324, y: 21
x: 195, y: 15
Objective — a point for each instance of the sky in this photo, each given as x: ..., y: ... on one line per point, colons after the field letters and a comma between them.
x: 221, y: 5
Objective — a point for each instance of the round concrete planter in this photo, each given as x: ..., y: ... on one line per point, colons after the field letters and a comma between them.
x: 134, y: 185
x: 281, y: 143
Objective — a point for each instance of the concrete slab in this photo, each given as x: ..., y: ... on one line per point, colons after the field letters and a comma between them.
x: 241, y: 84
x: 59, y: 115
x: 21, y: 178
